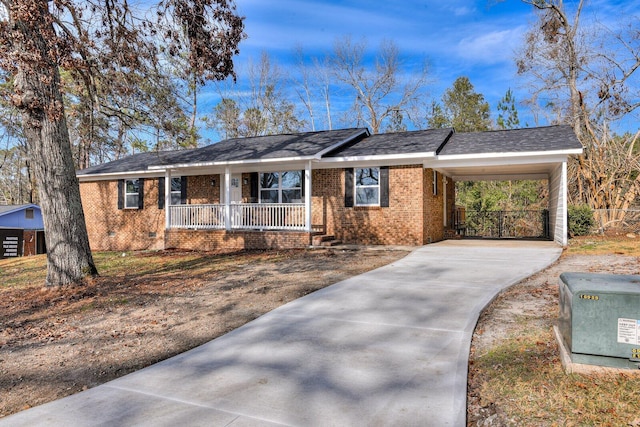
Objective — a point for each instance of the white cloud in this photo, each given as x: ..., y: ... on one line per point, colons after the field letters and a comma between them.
x: 491, y: 47
x: 463, y: 11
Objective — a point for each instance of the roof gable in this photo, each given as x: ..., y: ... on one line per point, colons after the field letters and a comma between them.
x: 7, y: 209
x: 397, y: 143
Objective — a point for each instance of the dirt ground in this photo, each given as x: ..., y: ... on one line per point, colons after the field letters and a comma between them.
x: 533, y: 302
x: 54, y: 343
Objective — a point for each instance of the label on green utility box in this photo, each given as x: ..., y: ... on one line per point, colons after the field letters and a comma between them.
x: 629, y: 331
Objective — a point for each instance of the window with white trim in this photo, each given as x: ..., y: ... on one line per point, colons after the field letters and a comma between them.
x: 176, y: 190
x: 281, y: 187
x: 367, y: 186
x: 131, y: 193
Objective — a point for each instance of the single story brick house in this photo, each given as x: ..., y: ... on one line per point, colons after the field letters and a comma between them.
x: 280, y: 191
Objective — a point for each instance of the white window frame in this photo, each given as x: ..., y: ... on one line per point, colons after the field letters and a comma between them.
x: 173, y: 193
x: 356, y: 186
x: 279, y: 187
x: 136, y: 193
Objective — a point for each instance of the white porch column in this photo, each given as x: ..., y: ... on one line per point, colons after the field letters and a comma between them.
x: 562, y: 206
x: 558, y: 204
x: 444, y: 200
x: 167, y: 198
x: 227, y: 198
x: 307, y: 196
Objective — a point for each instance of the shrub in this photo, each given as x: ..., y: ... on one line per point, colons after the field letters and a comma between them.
x: 581, y: 220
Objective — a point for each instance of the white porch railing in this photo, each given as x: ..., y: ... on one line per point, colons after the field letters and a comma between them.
x: 268, y: 216
x: 253, y: 216
x: 197, y: 216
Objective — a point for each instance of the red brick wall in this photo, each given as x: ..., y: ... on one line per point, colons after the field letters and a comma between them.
x: 451, y: 201
x: 402, y: 223
x: 203, y: 189
x: 215, y: 240
x: 433, y: 208
x: 113, y: 229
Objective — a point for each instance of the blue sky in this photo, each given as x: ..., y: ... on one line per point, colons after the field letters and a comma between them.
x: 473, y: 38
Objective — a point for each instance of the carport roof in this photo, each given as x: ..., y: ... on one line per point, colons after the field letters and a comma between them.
x: 548, y: 138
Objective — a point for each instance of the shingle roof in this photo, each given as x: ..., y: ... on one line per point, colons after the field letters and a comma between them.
x: 413, y: 142
x: 298, y: 145
x: 5, y: 209
x: 548, y: 138
x: 135, y: 162
x: 354, y: 142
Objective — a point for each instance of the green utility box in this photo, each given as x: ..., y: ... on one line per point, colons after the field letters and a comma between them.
x: 600, y: 319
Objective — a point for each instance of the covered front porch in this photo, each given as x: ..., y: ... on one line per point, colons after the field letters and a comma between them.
x: 239, y: 216
x: 272, y: 197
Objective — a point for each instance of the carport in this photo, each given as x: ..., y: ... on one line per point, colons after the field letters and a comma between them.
x: 520, y: 154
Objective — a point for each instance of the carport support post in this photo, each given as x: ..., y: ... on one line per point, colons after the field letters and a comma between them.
x: 307, y: 196
x: 562, y: 202
x: 227, y: 198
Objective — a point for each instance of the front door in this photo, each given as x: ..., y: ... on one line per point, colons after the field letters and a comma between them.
x: 235, y: 189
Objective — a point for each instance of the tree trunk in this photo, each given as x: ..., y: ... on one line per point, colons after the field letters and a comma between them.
x: 38, y: 96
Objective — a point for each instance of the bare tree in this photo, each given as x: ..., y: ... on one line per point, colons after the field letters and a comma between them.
x: 314, y: 88
x: 382, y: 92
x: 38, y: 38
x: 304, y: 86
x: 588, y: 79
x: 262, y: 109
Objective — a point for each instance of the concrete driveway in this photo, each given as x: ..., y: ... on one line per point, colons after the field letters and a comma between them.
x: 388, y: 347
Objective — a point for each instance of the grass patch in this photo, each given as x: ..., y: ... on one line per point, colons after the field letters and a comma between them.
x: 23, y: 271
x: 31, y: 271
x: 603, y: 245
x: 525, y: 379
x: 519, y: 378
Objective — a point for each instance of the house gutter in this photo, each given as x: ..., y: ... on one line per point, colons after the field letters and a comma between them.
x: 383, y: 160
x: 508, y: 154
x: 120, y: 175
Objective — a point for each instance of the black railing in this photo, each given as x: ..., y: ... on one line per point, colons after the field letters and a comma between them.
x: 503, y: 224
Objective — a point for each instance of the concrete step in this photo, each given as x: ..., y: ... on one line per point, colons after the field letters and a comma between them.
x: 331, y: 243
x: 320, y: 239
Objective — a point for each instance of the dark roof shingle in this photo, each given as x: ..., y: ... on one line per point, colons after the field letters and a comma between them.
x: 298, y: 145
x: 351, y: 143
x: 548, y: 138
x: 413, y: 142
x: 135, y: 162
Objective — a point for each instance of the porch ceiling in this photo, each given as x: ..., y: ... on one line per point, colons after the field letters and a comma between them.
x: 499, y: 167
